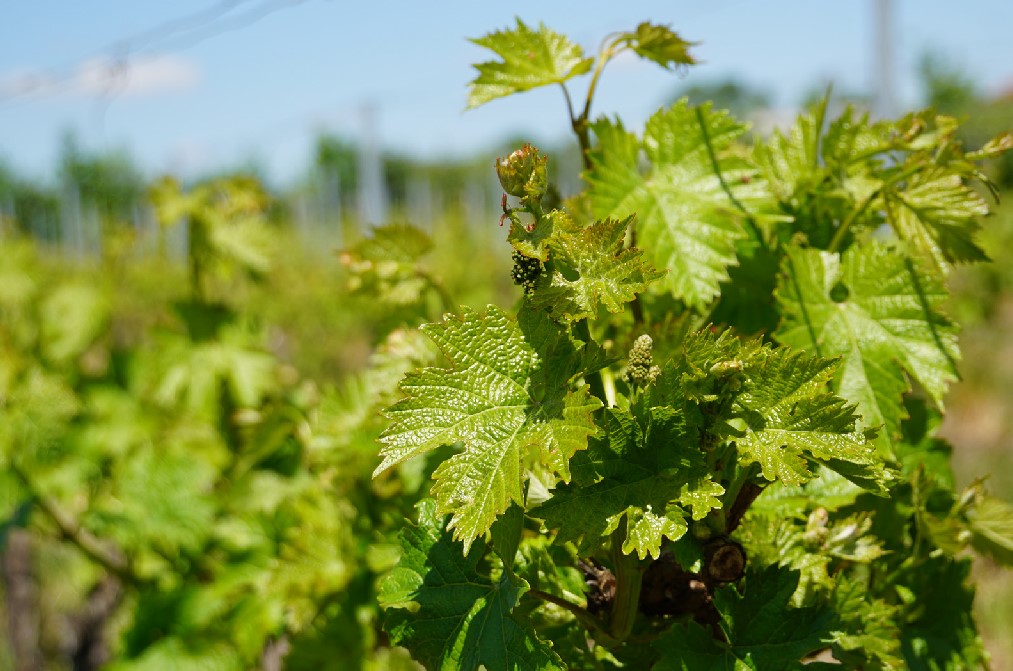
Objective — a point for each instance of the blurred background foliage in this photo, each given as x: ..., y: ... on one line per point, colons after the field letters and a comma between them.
x: 191, y: 377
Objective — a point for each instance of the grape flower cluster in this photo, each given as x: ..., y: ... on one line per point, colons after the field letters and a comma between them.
x: 525, y: 272
x: 640, y: 368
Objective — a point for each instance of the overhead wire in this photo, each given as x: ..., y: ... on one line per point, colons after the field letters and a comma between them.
x: 113, y: 62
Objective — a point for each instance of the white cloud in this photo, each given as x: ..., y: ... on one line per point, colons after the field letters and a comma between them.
x: 140, y: 76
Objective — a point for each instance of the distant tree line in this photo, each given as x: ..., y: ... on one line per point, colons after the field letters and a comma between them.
x: 96, y: 194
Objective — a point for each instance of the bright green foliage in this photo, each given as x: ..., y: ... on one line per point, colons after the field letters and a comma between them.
x: 791, y: 163
x: 937, y: 212
x: 937, y: 630
x: 652, y: 477
x: 704, y: 437
x: 529, y: 59
x: 790, y: 417
x: 226, y: 225
x: 448, y: 614
x: 603, y: 272
x: 992, y: 526
x: 761, y: 630
x: 658, y: 44
x: 72, y: 318
x: 507, y: 406
x: 385, y: 265
x: 763, y: 488
x: 874, y: 308
x: 772, y: 406
x: 869, y: 635
x: 684, y: 214
x: 226, y: 497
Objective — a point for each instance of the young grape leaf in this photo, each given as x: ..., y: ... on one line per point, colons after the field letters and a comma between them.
x: 385, y: 264
x: 659, y: 44
x: 992, y: 529
x: 684, y: 215
x: 878, y: 310
x: 791, y: 163
x: 937, y: 213
x: 853, y: 144
x: 762, y: 631
x: 602, y: 271
x: 791, y: 418
x: 447, y: 614
x: 869, y: 636
x: 505, y: 400
x: 655, y: 479
x: 994, y: 148
x: 530, y: 59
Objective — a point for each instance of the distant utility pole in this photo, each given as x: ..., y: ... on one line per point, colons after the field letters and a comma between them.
x: 372, y: 189
x: 885, y: 100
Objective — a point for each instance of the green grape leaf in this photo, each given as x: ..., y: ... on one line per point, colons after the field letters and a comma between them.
x: 878, y: 310
x: 994, y: 148
x: 603, y: 272
x: 937, y: 626
x: 747, y: 298
x: 937, y: 213
x: 385, y: 264
x: 529, y: 59
x: 653, y: 479
x: 160, y: 500
x: 774, y: 536
x: 685, y: 218
x: 791, y: 418
x: 394, y: 242
x: 792, y: 162
x: 659, y: 44
x: 198, y: 375
x: 72, y: 317
x: 852, y: 144
x: 534, y: 243
x: 244, y: 240
x: 992, y: 529
x: 448, y: 615
x: 505, y: 400
x: 761, y: 629
x: 869, y: 636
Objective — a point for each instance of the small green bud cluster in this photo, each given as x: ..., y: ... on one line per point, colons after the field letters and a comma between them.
x: 523, y: 174
x: 525, y: 272
x: 640, y: 368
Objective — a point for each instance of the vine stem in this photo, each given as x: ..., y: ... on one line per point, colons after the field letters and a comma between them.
x: 629, y: 577
x: 110, y: 559
x: 441, y: 290
x: 594, y: 380
x: 585, y: 618
x: 708, y: 144
x: 842, y: 230
x: 835, y: 242
x: 579, y: 124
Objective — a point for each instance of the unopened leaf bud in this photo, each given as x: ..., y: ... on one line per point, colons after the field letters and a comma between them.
x: 523, y: 173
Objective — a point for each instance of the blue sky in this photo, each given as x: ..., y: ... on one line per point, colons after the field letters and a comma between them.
x: 260, y: 91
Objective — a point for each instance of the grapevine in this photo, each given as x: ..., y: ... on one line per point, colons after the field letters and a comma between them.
x: 753, y: 486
